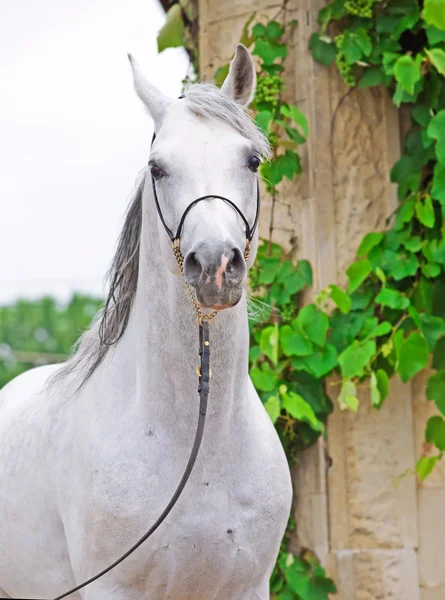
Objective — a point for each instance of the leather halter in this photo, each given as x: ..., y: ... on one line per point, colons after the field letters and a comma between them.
x: 175, y: 238
x: 203, y: 372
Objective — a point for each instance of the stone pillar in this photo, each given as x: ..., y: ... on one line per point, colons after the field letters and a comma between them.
x: 430, y: 503
x: 356, y: 501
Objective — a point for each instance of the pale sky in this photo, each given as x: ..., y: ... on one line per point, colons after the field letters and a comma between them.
x: 73, y: 135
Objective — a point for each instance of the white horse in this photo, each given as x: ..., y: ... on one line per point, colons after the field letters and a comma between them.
x: 91, y: 451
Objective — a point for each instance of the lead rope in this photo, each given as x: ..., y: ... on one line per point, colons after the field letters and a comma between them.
x: 204, y: 374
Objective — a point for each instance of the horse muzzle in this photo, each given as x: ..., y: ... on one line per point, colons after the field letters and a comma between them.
x: 217, y: 272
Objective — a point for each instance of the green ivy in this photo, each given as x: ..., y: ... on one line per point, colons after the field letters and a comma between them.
x: 396, y: 320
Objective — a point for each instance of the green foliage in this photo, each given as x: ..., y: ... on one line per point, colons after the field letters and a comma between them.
x: 400, y: 272
x: 181, y: 29
x: 300, y: 578
x: 171, y: 35
x: 39, y: 332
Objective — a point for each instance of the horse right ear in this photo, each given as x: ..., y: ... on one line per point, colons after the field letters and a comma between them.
x: 240, y: 83
x: 155, y: 101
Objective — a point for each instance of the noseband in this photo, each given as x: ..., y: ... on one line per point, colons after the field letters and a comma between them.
x: 175, y: 238
x: 203, y: 370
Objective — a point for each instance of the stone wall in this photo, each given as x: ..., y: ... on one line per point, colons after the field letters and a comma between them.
x: 357, y: 504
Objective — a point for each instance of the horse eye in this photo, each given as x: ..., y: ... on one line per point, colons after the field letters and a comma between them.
x: 254, y: 163
x: 156, y: 172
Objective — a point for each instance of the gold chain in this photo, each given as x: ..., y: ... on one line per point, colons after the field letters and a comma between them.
x: 200, y: 316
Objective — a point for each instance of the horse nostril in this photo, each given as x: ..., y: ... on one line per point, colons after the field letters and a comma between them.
x: 236, y: 261
x: 192, y: 268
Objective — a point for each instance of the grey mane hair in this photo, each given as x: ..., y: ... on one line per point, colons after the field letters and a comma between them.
x: 203, y: 99
x: 110, y: 322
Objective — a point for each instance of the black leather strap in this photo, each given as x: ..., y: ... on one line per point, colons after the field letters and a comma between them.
x: 204, y: 373
x: 250, y: 231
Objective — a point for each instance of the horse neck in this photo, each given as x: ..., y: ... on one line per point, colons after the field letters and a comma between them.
x: 163, y: 335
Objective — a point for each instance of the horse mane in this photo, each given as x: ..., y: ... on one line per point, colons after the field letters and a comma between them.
x: 109, y: 324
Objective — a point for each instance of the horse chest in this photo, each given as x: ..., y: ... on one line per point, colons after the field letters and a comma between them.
x: 219, y: 536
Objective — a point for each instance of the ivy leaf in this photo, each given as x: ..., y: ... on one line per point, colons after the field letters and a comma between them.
x: 272, y: 406
x: 382, y: 329
x: 414, y: 243
x: 286, y: 165
x: 425, y: 212
x: 438, y: 252
x: 341, y: 298
x: 379, y: 388
x: 299, y: 409
x: 171, y: 34
x: 357, y: 273
x: 412, y: 356
x: 294, y: 135
x: 406, y: 266
x: 434, y: 35
x: 431, y: 270
x: 264, y: 378
x: 421, y: 115
x: 333, y: 10
x: 369, y: 241
x: 269, y: 50
x: 304, y: 271
x: 295, y: 278
x: 392, y: 298
x: 321, y: 362
x: 269, y: 270
x: 437, y: 57
x: 314, y: 323
x: 259, y: 30
x: 436, y: 131
x: 389, y: 59
x: 297, y: 117
x: 263, y: 119
x: 434, y: 13
x: 405, y: 213
x: 435, y: 432
x: 407, y: 71
x: 321, y: 50
x: 319, y: 587
x: 221, y: 74
x: 274, y: 30
x: 435, y: 390
x: 269, y: 343
x: 254, y: 353
x: 348, y: 396
x: 438, y: 189
x: 425, y: 466
x: 439, y: 354
x: 373, y: 76
x: 432, y: 328
x: 356, y: 357
x: 293, y: 343
x: 356, y: 44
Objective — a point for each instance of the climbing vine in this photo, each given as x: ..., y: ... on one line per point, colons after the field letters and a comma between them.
x: 391, y: 318
x: 399, y: 325
x: 294, y: 398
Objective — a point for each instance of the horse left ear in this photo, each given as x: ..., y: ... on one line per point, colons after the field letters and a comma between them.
x: 240, y: 83
x: 155, y: 101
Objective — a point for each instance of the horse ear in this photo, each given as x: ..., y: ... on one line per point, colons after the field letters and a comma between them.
x: 154, y: 99
x: 240, y: 83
